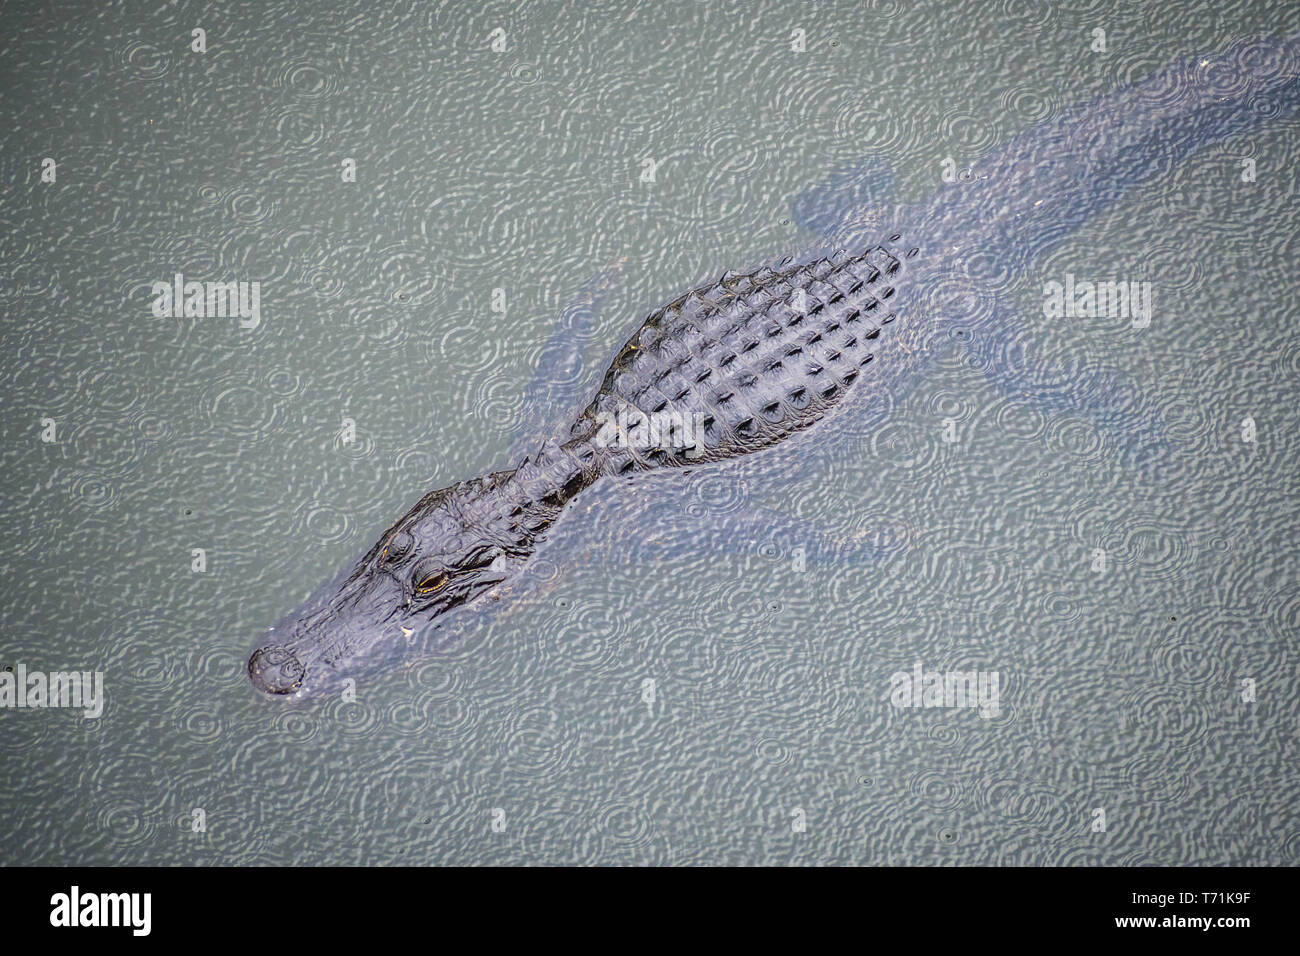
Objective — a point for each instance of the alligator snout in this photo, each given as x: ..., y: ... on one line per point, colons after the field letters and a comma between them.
x: 276, y: 670
x: 328, y: 638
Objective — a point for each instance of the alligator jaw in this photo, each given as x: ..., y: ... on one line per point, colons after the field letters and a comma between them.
x: 304, y: 655
x: 304, y: 665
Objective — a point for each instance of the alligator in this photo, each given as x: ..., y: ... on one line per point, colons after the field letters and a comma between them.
x: 753, y: 358
x: 756, y: 358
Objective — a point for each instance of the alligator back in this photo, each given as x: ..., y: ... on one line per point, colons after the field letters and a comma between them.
x: 741, y: 364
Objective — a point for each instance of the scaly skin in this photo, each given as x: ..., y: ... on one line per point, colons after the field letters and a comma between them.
x: 752, y: 358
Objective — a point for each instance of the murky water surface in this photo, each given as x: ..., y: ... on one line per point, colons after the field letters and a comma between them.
x: 703, y: 671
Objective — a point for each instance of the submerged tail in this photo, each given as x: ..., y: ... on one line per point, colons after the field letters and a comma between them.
x: 1038, y: 188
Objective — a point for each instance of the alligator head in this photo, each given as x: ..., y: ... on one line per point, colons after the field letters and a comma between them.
x: 452, y: 548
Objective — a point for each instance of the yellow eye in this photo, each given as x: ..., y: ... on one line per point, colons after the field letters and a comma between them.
x: 430, y: 581
x: 398, y: 548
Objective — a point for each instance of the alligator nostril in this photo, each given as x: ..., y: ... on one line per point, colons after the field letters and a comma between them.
x: 275, y: 670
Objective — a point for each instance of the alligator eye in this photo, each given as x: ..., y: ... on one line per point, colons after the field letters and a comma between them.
x: 400, y: 546
x: 432, y: 583
x: 429, y: 576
